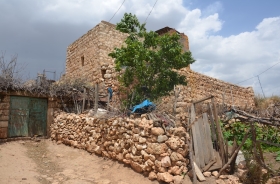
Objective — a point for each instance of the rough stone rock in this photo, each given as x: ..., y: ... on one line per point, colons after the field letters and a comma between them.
x: 183, y: 151
x: 166, y: 177
x: 174, y: 170
x: 178, y: 179
x: 161, y: 138
x: 161, y: 169
x: 119, y: 157
x: 126, y: 161
x: 241, y: 173
x: 242, y: 165
x: 180, y: 132
x: 149, y: 163
x: 133, y: 150
x: 233, y: 178
x: 156, y: 148
x: 215, y: 173
x: 137, y: 167
x: 174, y: 143
x: 165, y: 161
x: 152, y: 176
x: 140, y: 146
x: 137, y: 158
x: 176, y: 157
x: 142, y: 140
x: 220, y: 181
x: 98, y: 150
x: 207, y: 174
x: 157, y: 131
x: 223, y: 176
x: 157, y: 163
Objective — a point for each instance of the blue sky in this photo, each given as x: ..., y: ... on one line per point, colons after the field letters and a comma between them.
x: 231, y: 40
x: 238, y: 15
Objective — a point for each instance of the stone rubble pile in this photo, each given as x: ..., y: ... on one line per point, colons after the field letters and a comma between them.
x: 134, y: 141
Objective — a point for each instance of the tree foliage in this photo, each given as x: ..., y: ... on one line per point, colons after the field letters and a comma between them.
x: 150, y: 62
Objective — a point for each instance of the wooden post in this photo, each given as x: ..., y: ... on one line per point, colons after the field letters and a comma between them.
x: 96, y: 98
x: 213, y: 132
x: 219, y: 132
x: 234, y: 154
x: 84, y: 99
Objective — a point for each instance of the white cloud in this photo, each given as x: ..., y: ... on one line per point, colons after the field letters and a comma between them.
x: 238, y: 57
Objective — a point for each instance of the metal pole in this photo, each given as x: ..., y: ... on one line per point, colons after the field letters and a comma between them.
x: 261, y: 85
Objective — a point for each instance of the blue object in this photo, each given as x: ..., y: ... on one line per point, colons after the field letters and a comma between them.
x: 145, y: 106
x: 110, y: 91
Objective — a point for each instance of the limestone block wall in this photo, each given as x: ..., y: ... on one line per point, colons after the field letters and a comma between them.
x: 87, y: 56
x: 150, y: 150
x: 200, y: 86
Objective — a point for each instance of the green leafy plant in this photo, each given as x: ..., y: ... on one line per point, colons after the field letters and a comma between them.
x: 149, y: 62
x: 264, y: 132
x: 278, y: 156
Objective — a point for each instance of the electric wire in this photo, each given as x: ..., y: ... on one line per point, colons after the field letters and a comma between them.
x: 151, y: 11
x: 117, y: 10
x: 259, y: 73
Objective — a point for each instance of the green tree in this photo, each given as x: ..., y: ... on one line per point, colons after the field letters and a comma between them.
x: 150, y: 62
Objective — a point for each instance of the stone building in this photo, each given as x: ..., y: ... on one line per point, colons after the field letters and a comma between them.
x: 88, y: 58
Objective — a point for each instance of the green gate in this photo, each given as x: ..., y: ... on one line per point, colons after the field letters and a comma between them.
x: 28, y: 116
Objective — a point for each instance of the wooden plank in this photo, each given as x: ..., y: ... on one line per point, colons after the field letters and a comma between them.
x: 208, y: 139
x: 203, y: 99
x: 190, y: 143
x: 219, y: 132
x: 199, y: 173
x: 195, y: 143
x: 195, y: 146
x: 213, y: 131
x: 208, y: 165
x: 200, y: 151
x: 204, y: 148
x: 192, y: 157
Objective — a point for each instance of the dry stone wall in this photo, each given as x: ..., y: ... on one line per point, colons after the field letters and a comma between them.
x: 157, y: 153
x: 200, y: 86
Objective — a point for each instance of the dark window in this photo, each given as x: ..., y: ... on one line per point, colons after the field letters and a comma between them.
x: 83, y: 60
x: 103, y: 72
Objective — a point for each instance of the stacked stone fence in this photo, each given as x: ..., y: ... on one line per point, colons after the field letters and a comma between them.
x: 157, y: 153
x: 200, y: 86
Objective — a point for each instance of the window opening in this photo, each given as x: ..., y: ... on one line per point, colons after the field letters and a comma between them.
x: 83, y: 60
x: 103, y: 72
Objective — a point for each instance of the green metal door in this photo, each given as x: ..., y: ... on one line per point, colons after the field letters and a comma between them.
x: 28, y: 116
x: 38, y: 116
x: 19, y: 114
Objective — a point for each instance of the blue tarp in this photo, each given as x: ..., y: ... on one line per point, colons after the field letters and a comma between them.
x: 144, y: 107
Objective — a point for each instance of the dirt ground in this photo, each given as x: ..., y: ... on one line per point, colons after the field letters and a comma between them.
x: 46, y: 162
